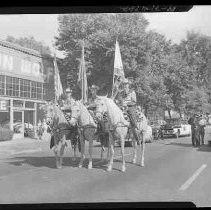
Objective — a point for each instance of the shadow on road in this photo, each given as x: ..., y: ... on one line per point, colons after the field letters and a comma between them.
x: 203, y: 148
x: 181, y: 144
x: 50, y: 162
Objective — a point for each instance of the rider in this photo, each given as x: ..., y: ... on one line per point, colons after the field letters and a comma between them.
x: 127, y: 99
x: 67, y: 104
x: 69, y: 100
x: 92, y: 100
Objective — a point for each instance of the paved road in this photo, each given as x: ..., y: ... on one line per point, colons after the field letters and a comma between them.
x: 174, y: 171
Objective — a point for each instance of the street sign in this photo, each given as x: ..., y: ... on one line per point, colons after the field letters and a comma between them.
x: 3, y: 105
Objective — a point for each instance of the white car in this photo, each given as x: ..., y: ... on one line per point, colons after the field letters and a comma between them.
x: 176, y: 127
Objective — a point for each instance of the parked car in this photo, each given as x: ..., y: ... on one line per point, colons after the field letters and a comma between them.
x: 176, y: 127
x: 17, y: 126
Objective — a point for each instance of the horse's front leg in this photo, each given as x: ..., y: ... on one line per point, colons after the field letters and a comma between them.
x: 123, y: 153
x: 111, y: 156
x: 90, y: 153
x: 102, y: 150
x: 55, y: 150
x: 74, y: 147
x: 108, y: 151
x: 134, y: 150
x: 62, y: 147
x: 142, y: 149
x: 82, y: 143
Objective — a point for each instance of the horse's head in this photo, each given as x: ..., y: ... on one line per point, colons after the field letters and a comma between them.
x: 101, y: 108
x: 76, y: 111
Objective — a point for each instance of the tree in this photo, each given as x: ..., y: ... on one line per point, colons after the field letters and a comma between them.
x: 100, y: 32
x: 31, y: 43
x: 195, y: 53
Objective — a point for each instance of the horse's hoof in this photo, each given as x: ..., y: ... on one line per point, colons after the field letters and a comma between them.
x: 90, y: 166
x: 58, y: 166
x: 134, y: 161
x: 109, y: 168
x: 80, y: 166
x: 142, y: 164
x: 123, y: 168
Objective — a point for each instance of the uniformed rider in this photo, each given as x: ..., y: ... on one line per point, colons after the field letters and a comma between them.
x: 67, y: 103
x: 127, y: 99
x: 69, y: 100
x: 93, y: 97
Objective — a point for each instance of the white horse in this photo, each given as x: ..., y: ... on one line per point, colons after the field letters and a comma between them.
x: 60, y: 131
x: 87, y: 128
x: 119, y: 128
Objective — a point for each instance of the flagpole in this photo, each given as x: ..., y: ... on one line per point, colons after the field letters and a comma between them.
x: 82, y: 85
x: 55, y: 98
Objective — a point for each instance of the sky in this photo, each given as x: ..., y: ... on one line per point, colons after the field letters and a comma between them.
x: 174, y: 25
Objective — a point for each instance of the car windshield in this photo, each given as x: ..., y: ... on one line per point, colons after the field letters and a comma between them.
x: 173, y: 121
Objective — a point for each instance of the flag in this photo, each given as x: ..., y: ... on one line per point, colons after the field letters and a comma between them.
x: 118, y: 75
x: 118, y: 67
x: 57, y: 81
x: 82, y: 79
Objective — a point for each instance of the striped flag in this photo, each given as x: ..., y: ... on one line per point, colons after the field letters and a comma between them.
x: 118, y: 75
x: 57, y: 81
x: 82, y: 79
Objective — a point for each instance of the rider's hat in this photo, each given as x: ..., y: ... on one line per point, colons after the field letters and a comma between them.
x: 94, y: 87
x: 68, y: 90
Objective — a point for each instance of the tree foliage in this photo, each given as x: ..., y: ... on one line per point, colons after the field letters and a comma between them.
x: 31, y: 43
x: 166, y: 76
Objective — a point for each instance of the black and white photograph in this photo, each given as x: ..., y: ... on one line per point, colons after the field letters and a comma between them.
x: 106, y: 107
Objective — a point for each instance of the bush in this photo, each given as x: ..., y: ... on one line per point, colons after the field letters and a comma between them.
x: 5, y: 134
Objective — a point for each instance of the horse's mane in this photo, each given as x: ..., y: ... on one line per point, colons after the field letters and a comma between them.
x: 58, y: 112
x: 86, y: 117
x: 116, y: 114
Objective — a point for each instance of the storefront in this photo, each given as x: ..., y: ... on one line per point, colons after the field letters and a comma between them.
x: 26, y: 81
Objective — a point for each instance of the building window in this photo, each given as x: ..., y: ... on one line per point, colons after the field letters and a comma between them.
x: 21, y: 88
x: 33, y: 90
x: 25, y: 88
x: 2, y: 84
x: 39, y: 91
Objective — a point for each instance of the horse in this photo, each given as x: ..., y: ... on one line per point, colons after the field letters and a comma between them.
x: 119, y: 128
x: 60, y: 131
x: 87, y: 129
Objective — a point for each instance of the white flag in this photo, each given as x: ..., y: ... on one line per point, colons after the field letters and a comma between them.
x: 57, y: 81
x: 118, y: 67
x: 118, y: 75
x: 82, y: 79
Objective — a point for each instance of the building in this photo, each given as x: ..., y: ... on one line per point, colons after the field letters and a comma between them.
x: 26, y: 81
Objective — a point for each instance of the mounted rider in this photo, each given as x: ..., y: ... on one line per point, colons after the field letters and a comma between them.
x: 91, y: 105
x: 69, y: 100
x: 127, y: 100
x: 67, y: 104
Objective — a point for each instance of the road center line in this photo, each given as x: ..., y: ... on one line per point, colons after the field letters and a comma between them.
x: 192, y: 178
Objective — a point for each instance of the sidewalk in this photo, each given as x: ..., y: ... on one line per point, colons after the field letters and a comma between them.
x: 23, y: 145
